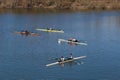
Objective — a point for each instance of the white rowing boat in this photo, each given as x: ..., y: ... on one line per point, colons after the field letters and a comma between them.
x: 72, y: 42
x: 69, y: 60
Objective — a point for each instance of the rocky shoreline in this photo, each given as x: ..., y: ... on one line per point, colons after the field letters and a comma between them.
x: 62, y: 4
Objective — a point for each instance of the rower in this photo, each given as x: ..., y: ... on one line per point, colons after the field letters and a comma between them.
x: 70, y: 57
x: 62, y: 59
x: 70, y: 39
x: 74, y: 40
x: 50, y: 29
x: 26, y: 32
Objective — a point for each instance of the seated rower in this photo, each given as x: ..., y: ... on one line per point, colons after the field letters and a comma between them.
x: 61, y: 59
x: 27, y: 32
x: 49, y: 29
x: 70, y: 57
x: 73, y: 40
x: 70, y: 39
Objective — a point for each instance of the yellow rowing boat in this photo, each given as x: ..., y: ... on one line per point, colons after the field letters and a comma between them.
x: 51, y: 30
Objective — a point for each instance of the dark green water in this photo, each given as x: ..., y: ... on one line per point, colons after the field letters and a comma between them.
x: 25, y: 57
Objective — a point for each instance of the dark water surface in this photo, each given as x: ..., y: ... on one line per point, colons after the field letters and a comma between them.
x: 25, y: 57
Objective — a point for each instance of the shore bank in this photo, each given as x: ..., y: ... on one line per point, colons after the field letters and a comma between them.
x: 62, y: 4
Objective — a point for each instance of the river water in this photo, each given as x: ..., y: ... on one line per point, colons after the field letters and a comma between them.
x: 25, y: 57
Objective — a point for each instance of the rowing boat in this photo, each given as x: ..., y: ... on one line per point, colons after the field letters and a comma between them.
x: 69, y: 60
x: 72, y: 42
x: 24, y: 33
x: 51, y: 30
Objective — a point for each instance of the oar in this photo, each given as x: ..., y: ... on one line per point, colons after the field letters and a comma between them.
x: 54, y: 59
x: 79, y: 62
x: 34, y: 34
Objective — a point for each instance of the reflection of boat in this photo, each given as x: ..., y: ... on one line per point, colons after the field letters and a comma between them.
x: 51, y: 30
x: 69, y: 60
x: 71, y: 42
x: 27, y: 33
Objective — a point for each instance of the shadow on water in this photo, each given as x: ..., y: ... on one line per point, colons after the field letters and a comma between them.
x: 43, y: 11
x: 34, y: 11
x: 72, y: 63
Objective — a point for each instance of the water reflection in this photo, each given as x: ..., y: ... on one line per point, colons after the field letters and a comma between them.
x: 33, y: 11
x: 72, y: 63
